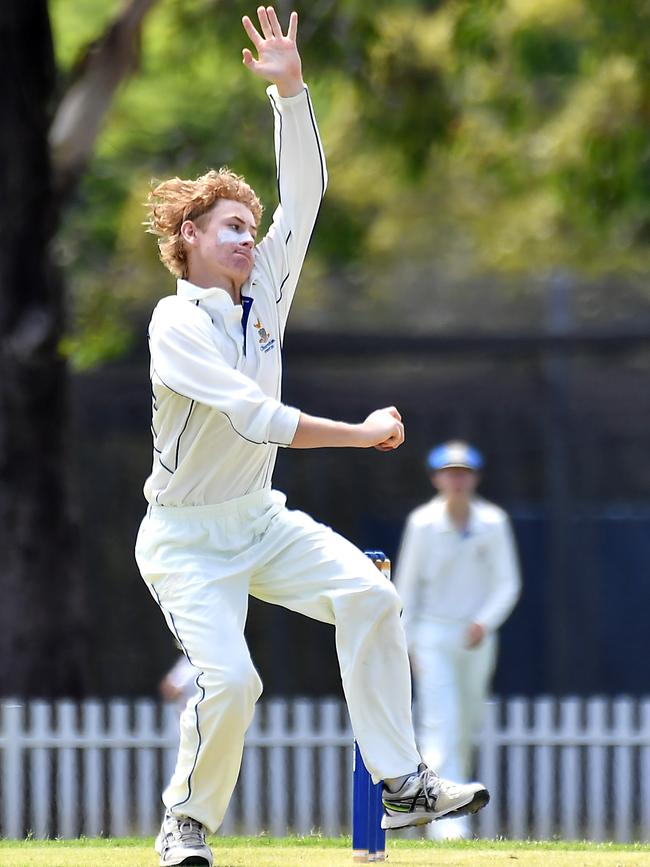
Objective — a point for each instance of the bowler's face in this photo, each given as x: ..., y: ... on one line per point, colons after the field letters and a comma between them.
x: 224, y: 243
x: 455, y: 481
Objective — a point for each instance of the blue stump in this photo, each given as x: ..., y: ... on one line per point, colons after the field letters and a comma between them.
x: 368, y: 838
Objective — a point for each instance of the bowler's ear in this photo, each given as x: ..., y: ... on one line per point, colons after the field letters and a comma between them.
x: 189, y: 233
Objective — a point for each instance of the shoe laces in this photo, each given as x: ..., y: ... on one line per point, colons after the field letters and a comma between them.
x: 189, y: 831
x: 432, y: 785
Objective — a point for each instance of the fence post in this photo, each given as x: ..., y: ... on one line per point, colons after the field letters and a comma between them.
x: 276, y: 728
x: 68, y: 814
x: 543, y: 763
x: 569, y: 768
x: 148, y: 813
x: 12, y: 769
x: 251, y: 777
x: 596, y: 769
x: 93, y: 790
x: 330, y: 769
x: 119, y: 792
x: 517, y: 793
x: 623, y: 781
x: 644, y: 770
x: 40, y: 769
x: 488, y: 764
x: 303, y: 767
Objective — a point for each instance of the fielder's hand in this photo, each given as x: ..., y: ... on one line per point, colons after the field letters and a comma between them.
x: 474, y: 635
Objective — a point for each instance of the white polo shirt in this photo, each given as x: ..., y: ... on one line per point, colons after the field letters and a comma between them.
x: 216, y: 367
x: 443, y: 575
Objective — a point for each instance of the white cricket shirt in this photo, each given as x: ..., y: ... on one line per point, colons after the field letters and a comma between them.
x: 216, y: 367
x: 444, y: 575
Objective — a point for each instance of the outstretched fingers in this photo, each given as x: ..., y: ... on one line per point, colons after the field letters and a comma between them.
x: 253, y: 35
x: 265, y: 24
x: 273, y: 21
x: 269, y: 25
x: 292, y: 32
x: 274, y: 57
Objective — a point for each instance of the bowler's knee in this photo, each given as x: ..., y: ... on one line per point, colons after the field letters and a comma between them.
x: 237, y: 682
x: 387, y: 598
x: 376, y: 601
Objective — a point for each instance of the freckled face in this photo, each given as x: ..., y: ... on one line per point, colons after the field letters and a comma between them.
x: 224, y: 243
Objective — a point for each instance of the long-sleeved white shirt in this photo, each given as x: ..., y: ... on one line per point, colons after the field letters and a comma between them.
x: 216, y: 367
x: 443, y: 575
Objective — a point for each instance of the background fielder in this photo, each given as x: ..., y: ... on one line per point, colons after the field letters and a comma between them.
x: 458, y: 577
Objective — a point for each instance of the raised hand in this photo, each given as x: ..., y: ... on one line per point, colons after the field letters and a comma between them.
x: 278, y: 60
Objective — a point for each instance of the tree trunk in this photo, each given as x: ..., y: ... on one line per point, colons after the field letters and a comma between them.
x: 43, y: 628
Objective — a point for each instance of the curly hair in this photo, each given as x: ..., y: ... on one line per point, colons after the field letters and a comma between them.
x: 173, y: 202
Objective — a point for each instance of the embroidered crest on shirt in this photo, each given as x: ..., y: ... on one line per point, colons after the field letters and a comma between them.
x: 266, y: 341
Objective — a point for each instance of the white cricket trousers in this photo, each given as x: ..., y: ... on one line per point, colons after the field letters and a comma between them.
x: 200, y: 564
x: 452, y: 683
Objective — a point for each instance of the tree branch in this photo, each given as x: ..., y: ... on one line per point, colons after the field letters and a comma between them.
x: 79, y: 116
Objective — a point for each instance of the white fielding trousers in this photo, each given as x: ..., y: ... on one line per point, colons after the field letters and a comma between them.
x: 452, y: 683
x: 200, y: 564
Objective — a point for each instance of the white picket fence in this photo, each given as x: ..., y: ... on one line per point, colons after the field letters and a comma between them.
x: 571, y: 768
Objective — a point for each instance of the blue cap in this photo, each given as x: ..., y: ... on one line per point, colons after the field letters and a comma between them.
x: 454, y: 454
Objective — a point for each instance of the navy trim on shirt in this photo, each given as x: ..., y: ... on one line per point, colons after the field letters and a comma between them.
x: 247, y: 304
x: 278, y: 114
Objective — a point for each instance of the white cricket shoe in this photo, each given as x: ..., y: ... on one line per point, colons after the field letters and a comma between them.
x: 181, y: 840
x: 425, y: 796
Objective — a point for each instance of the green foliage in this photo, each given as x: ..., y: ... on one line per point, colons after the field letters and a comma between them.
x: 500, y: 138
x: 541, y: 53
x: 473, y: 32
x: 76, y: 24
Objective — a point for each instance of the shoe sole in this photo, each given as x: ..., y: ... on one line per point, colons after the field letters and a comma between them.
x: 480, y: 800
x: 408, y: 820
x: 196, y: 860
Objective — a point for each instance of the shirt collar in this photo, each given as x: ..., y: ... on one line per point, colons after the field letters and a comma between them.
x: 219, y: 296
x: 214, y: 297
x: 443, y: 522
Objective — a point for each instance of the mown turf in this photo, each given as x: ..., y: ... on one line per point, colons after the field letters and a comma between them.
x: 323, y: 852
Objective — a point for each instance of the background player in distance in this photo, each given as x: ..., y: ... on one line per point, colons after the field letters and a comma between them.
x: 458, y: 577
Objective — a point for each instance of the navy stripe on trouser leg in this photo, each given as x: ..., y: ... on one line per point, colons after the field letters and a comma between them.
x: 208, y: 620
x: 169, y: 617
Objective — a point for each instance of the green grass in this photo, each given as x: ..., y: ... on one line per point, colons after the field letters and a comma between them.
x: 323, y: 852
